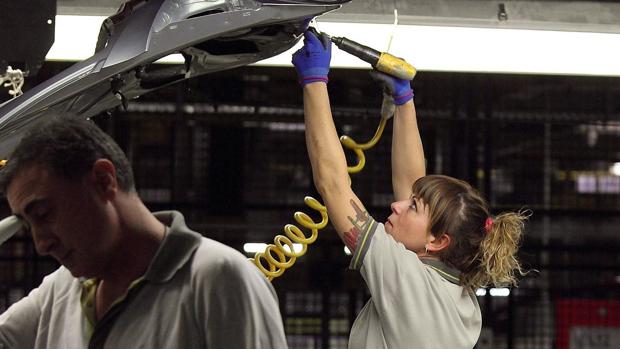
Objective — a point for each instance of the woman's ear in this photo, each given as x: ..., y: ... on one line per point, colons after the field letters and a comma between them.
x: 437, y: 244
x: 103, y: 175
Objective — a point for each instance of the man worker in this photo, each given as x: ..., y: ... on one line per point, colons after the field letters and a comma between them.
x: 128, y: 278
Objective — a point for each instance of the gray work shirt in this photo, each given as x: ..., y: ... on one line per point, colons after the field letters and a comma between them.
x: 414, y: 303
x: 196, y: 293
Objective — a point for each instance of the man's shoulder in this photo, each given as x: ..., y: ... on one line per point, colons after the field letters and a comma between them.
x: 59, y: 283
x: 216, y: 263
x: 212, y: 251
x: 61, y: 276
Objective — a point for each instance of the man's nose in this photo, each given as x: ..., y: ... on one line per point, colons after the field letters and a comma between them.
x: 44, y: 242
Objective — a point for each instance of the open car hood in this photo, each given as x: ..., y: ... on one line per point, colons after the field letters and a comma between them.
x: 212, y: 35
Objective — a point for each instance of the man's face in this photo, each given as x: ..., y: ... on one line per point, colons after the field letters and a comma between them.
x: 67, y: 219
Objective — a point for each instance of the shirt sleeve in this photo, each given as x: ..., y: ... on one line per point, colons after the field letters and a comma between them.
x: 380, y: 258
x: 240, y: 308
x: 19, y: 324
x: 396, y: 278
x: 362, y: 242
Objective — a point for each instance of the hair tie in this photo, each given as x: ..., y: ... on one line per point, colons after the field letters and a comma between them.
x: 488, y: 224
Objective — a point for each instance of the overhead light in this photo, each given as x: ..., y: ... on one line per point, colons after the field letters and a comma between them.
x: 75, y: 37
x: 251, y: 247
x: 254, y: 247
x: 347, y: 251
x: 493, y: 50
x: 499, y: 292
x: 493, y: 292
x: 615, y: 169
x: 429, y: 48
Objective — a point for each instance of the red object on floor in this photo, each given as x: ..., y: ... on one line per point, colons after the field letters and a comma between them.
x: 584, y: 313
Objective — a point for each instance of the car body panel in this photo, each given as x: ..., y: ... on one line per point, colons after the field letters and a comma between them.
x: 211, y: 35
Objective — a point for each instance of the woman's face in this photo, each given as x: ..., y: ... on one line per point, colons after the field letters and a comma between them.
x: 409, y: 224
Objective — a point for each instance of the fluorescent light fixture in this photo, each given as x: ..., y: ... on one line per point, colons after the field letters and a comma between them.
x: 260, y: 247
x: 75, y: 38
x: 254, y: 247
x: 494, y: 292
x: 586, y: 183
x: 286, y: 126
x: 499, y: 292
x: 615, y: 169
x: 429, y: 48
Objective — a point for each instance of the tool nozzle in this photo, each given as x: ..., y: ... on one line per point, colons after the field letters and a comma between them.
x: 360, y: 51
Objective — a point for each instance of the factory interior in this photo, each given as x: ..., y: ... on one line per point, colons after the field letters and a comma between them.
x: 227, y: 149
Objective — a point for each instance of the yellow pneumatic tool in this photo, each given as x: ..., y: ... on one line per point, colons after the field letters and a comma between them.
x: 382, y: 61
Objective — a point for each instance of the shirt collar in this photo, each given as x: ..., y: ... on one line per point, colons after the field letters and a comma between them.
x: 449, y: 273
x: 175, y: 250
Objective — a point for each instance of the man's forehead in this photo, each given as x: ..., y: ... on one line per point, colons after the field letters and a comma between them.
x: 26, y: 180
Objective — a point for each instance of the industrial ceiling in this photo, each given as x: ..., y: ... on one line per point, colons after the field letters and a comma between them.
x: 592, y: 16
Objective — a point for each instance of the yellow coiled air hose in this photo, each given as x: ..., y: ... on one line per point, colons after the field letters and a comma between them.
x: 281, y: 255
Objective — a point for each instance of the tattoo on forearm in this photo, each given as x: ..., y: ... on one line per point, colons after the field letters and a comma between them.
x: 360, y: 219
x: 350, y: 238
x: 361, y: 216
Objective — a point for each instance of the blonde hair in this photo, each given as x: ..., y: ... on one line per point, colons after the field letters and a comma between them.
x: 485, y: 255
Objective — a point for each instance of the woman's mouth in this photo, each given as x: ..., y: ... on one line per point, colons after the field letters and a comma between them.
x: 388, y: 224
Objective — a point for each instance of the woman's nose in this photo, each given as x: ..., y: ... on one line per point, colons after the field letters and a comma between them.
x: 397, y: 206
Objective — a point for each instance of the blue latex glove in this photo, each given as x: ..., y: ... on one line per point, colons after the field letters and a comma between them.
x: 312, y: 60
x: 399, y: 89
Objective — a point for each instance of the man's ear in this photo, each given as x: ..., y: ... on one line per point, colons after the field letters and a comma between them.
x: 437, y: 244
x: 103, y: 175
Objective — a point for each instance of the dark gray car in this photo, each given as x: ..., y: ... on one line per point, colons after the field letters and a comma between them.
x: 212, y: 35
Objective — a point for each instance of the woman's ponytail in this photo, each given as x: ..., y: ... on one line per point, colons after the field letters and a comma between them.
x: 497, y: 258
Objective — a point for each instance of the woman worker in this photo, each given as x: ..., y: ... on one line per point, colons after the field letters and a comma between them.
x: 423, y: 265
